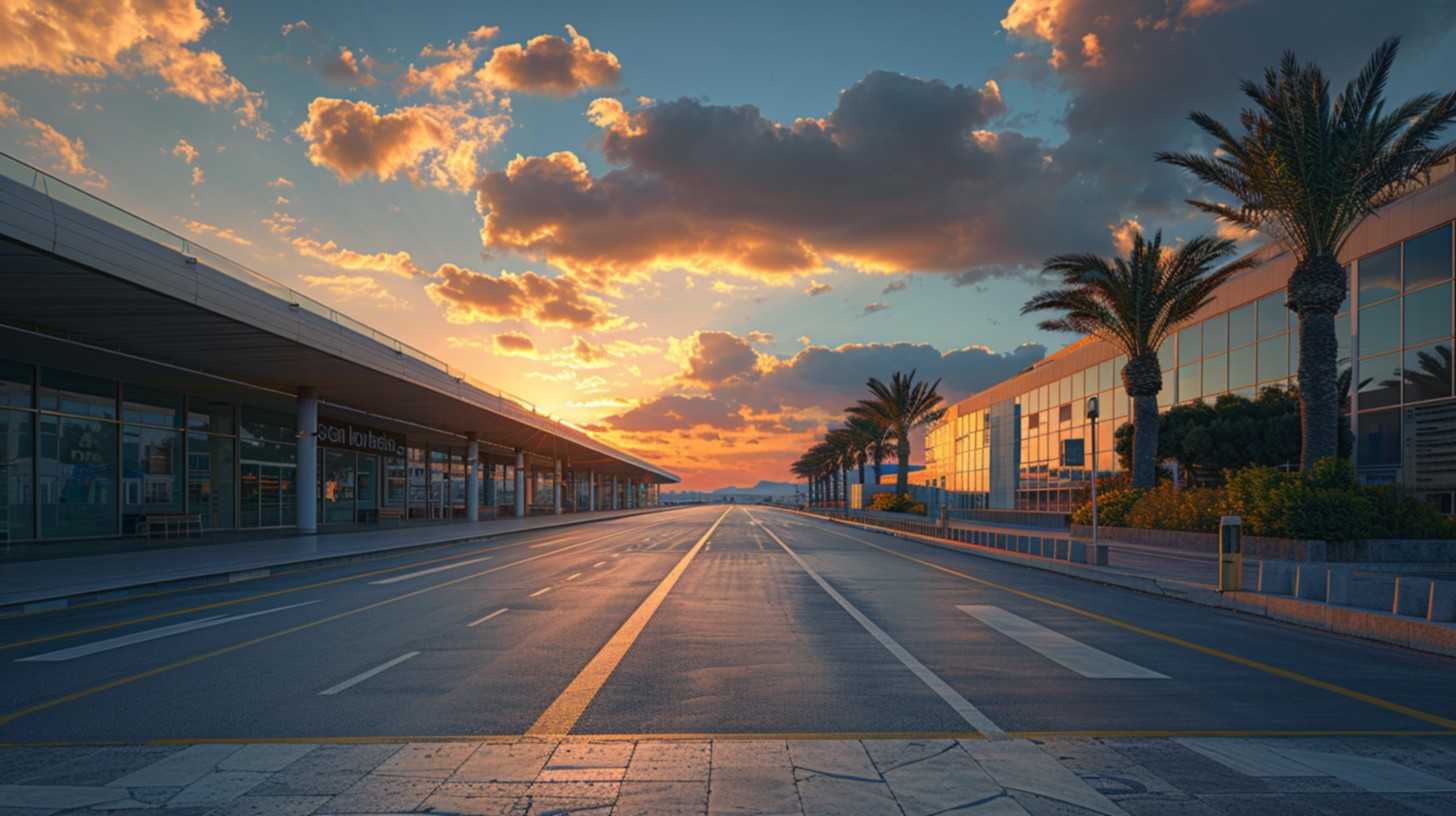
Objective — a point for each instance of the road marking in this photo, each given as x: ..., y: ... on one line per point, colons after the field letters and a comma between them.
x: 1388, y: 705
x: 488, y: 617
x: 1246, y: 757
x: 959, y: 704
x: 430, y: 571
x: 598, y: 564
x: 1372, y: 774
x: 573, y: 577
x: 540, y: 592
x: 1073, y: 654
x: 359, y: 678
x: 560, y: 717
x: 151, y: 634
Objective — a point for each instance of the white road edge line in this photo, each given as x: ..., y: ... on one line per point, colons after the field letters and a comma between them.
x: 959, y: 704
x: 359, y: 678
x: 540, y: 592
x: 1088, y: 661
x: 488, y: 617
x: 429, y: 571
x: 151, y: 634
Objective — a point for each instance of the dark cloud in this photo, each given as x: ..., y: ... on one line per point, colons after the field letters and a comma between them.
x: 871, y: 308
x: 674, y: 412
x: 472, y: 297
x: 551, y: 66
x: 513, y: 343
x: 715, y: 358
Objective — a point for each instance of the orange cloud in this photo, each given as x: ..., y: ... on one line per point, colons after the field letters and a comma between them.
x: 513, y: 343
x: 199, y: 228
x: 435, y: 145
x: 550, y: 66
x: 473, y: 297
x: 715, y: 358
x: 94, y: 39
x: 816, y: 289
x: 280, y: 182
x: 346, y: 67
x: 485, y: 33
x: 184, y: 151
x: 347, y: 287
x: 395, y: 263
x: 453, y: 64
x: 65, y: 155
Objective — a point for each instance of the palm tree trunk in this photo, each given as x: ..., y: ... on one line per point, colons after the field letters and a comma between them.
x: 1316, y: 290
x: 1143, y: 379
x: 902, y: 452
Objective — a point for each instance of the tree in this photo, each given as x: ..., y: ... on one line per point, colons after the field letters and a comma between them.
x: 867, y: 437
x: 902, y: 406
x: 1207, y: 440
x: 1135, y: 304
x: 1307, y: 172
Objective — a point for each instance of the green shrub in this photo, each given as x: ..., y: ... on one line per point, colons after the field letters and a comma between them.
x: 1112, y: 508
x: 897, y: 503
x: 1195, y: 509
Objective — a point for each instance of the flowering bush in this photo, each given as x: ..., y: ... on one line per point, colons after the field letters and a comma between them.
x: 1112, y: 508
x: 1165, y: 507
x: 897, y: 503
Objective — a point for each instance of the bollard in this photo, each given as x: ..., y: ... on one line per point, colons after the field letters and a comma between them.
x: 1231, y: 554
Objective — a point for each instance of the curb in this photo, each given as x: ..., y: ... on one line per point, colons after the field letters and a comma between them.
x: 20, y: 609
x: 1368, y: 624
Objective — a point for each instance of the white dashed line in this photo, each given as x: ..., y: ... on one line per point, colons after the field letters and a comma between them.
x: 487, y: 617
x: 430, y: 571
x: 573, y: 577
x: 151, y: 634
x: 359, y: 678
x: 540, y: 592
x: 599, y: 564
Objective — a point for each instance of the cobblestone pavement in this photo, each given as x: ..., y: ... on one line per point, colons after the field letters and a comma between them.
x: 914, y: 777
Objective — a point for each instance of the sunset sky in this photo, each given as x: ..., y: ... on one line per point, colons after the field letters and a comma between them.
x: 692, y: 228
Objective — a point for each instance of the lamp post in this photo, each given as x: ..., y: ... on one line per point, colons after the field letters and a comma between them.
x: 1092, y: 412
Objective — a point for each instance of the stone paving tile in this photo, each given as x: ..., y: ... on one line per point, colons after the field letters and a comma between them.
x: 1260, y: 803
x: 427, y: 760
x: 266, y: 757
x: 669, y: 762
x: 1158, y: 806
x: 21, y: 766
x: 217, y: 788
x: 477, y: 798
x: 943, y: 781
x: 329, y: 769
x: 838, y: 796
x: 1431, y: 804
x: 382, y: 794
x: 657, y: 798
x: 58, y: 796
x: 77, y: 766
x: 760, y: 790
x: 1022, y: 767
x: 182, y: 768
x: 750, y: 754
x: 888, y: 754
x: 272, y: 806
x: 6, y: 810
x: 504, y: 762
x: 841, y: 758
x: 570, y: 797
x: 587, y: 762
x: 1185, y: 769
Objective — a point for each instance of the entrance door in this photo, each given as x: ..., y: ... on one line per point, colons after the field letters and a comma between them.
x: 367, y: 487
x: 338, y: 487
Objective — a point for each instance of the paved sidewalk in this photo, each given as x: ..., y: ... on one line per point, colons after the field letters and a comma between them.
x: 870, y: 777
x: 34, y: 585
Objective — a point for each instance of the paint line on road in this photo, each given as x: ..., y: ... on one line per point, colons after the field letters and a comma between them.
x: 1247, y: 758
x: 561, y: 716
x: 151, y: 634
x: 1085, y: 660
x: 488, y: 617
x: 573, y: 576
x: 599, y: 564
x: 359, y: 678
x: 430, y: 571
x: 540, y: 592
x: 953, y: 698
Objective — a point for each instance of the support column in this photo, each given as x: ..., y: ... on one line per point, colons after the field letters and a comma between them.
x: 591, y: 491
x: 307, y: 478
x: 631, y: 495
x: 520, y: 484
x: 490, y: 499
x: 557, y: 497
x: 472, y: 478
x: 615, y: 505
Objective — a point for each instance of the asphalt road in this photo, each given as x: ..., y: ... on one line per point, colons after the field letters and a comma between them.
x: 708, y: 621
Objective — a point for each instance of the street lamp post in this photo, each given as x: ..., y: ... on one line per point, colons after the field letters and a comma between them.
x: 1092, y: 412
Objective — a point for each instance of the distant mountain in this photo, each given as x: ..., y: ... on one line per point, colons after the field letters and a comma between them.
x: 762, y: 489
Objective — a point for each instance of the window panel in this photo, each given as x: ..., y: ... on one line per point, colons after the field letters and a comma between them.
x: 1241, y: 367
x: 1380, y: 380
x: 1380, y: 328
x: 1190, y: 382
x: 16, y: 381
x: 78, y: 394
x: 1343, y: 336
x: 1428, y: 315
x: 149, y: 406
x: 1190, y: 344
x: 1274, y: 359
x: 1243, y: 326
x: 1215, y: 335
x: 1167, y: 354
x: 1273, y: 317
x: 1378, y: 440
x: 1215, y: 375
x: 1380, y: 276
x: 1428, y: 258
x: 1427, y: 372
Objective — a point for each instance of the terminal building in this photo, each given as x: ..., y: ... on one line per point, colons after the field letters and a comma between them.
x: 147, y: 383
x: 1000, y: 449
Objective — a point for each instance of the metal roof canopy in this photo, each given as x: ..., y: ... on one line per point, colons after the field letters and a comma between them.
x: 67, y: 273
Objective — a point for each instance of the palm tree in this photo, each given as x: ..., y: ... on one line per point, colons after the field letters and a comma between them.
x: 868, y: 438
x: 1135, y: 304
x: 902, y: 406
x: 1307, y: 172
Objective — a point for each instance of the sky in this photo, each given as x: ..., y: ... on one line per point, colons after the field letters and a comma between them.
x: 694, y: 229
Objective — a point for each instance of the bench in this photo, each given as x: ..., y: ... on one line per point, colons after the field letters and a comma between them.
x: 182, y: 523
x: 391, y: 513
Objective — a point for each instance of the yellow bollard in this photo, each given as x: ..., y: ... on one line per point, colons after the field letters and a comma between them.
x: 1231, y: 554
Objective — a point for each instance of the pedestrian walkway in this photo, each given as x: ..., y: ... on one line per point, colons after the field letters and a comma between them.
x: 31, y: 584
x: 808, y: 777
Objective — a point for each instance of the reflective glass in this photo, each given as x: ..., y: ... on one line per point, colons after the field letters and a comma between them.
x: 16, y: 380
x: 216, y: 417
x: 210, y: 481
x: 1190, y: 382
x: 1190, y: 344
x: 1428, y: 315
x: 1427, y: 372
x: 1342, y: 336
x: 1243, y: 326
x: 1274, y: 359
x: 17, y: 463
x: 1380, y: 328
x: 1378, y: 438
x: 1380, y: 380
x: 1215, y: 375
x: 149, y: 406
x: 77, y: 487
x: 1380, y: 276
x: 1215, y: 335
x: 1241, y: 367
x: 77, y: 394
x: 1273, y: 317
x: 151, y: 473
x: 1428, y: 258
x: 1167, y: 354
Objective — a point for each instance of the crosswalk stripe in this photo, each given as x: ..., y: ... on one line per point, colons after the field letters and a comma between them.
x: 1085, y: 660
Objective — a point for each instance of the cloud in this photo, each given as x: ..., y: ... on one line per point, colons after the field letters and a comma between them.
x: 289, y: 28
x: 898, y: 286
x: 442, y: 76
x: 714, y: 358
x: 675, y: 412
x: 347, y: 287
x: 347, y: 68
x: 199, y: 228
x: 280, y: 182
x: 871, y: 308
x: 484, y: 33
x: 513, y: 343
x: 89, y: 40
x: 395, y: 263
x: 184, y: 151
x: 197, y: 177
x: 759, y: 338
x: 473, y: 297
x: 436, y: 145
x: 816, y: 289
x: 551, y: 66
x: 8, y: 108
x: 62, y: 153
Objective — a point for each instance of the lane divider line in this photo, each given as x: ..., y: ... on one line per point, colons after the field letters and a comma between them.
x: 149, y: 635
x: 540, y: 592
x: 1177, y: 641
x: 488, y: 617
x: 431, y: 571
x: 359, y: 678
x: 573, y: 576
x: 598, y: 564
x: 561, y: 716
x: 1088, y: 661
x: 953, y: 698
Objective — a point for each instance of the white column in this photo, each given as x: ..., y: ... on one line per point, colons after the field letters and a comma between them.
x: 307, y: 477
x: 591, y: 491
x: 472, y: 478
x: 520, y: 484
x: 557, y: 497
x: 631, y: 495
x: 615, y: 505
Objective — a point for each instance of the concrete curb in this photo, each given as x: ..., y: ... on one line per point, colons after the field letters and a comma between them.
x: 33, y: 606
x: 1412, y: 633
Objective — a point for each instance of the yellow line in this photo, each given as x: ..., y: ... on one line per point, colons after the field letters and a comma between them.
x: 14, y: 715
x: 1243, y: 661
x: 560, y: 717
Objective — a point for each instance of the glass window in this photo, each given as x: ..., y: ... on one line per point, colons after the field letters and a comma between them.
x: 1380, y: 379
x: 1243, y: 326
x: 1167, y: 354
x: 268, y: 425
x: 1378, y: 440
x: 1108, y: 375
x: 1380, y: 328
x: 149, y: 406
x: 16, y: 380
x: 1273, y: 317
x: 151, y: 473
x: 77, y: 488
x: 1168, y: 397
x: 1428, y: 315
x: 1345, y: 304
x: 1427, y: 372
x: 1343, y: 336
x: 1274, y: 359
x: 210, y: 480
x: 1120, y: 402
x: 1241, y: 367
x: 1090, y: 385
x: 1215, y: 335
x: 214, y: 417
x: 1380, y: 276
x: 1190, y: 382
x: 17, y: 461
x: 1215, y: 375
x: 1190, y: 344
x: 77, y: 394
x: 1428, y: 258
